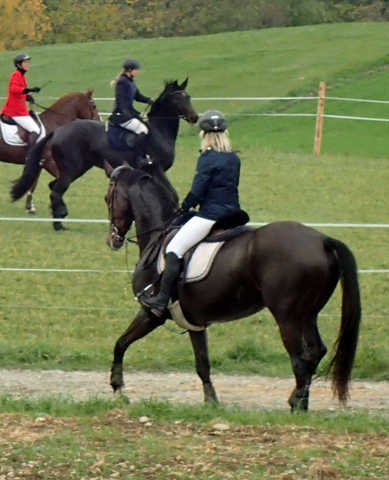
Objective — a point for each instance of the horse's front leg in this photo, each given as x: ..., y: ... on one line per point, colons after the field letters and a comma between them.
x: 203, y: 366
x: 143, y: 324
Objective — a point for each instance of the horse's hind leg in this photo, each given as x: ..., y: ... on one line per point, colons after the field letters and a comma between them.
x: 143, y: 324
x: 306, y: 348
x: 203, y: 366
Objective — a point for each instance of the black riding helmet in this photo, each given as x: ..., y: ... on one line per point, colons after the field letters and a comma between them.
x: 213, y: 121
x: 131, y: 64
x: 20, y: 57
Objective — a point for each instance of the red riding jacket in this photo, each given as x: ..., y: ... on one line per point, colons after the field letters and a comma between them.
x: 15, y: 105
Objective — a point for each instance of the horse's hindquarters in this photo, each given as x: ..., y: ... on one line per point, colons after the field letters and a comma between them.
x: 229, y: 292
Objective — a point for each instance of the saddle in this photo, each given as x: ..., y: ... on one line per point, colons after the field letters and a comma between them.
x: 119, y: 138
x: 198, y: 260
x: 13, y: 134
x: 204, y: 253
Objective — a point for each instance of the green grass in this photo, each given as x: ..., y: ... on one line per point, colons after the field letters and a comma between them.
x: 71, y: 320
x: 103, y: 439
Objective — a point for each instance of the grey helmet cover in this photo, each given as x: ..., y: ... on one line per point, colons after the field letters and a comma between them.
x: 213, y: 121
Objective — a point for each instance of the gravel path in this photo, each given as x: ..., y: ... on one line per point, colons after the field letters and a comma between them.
x: 245, y: 391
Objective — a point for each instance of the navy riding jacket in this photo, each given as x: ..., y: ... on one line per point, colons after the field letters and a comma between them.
x: 126, y: 92
x: 215, y: 185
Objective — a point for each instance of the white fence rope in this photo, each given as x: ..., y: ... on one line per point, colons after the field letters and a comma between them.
x: 91, y: 270
x: 253, y: 224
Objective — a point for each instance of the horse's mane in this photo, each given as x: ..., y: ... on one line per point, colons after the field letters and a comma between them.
x: 68, y: 96
x: 166, y: 198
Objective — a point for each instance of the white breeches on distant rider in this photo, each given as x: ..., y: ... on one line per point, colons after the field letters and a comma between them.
x: 27, y: 123
x: 192, y: 232
x: 135, y: 125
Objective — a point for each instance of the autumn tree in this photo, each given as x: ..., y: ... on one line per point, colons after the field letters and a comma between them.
x: 23, y: 23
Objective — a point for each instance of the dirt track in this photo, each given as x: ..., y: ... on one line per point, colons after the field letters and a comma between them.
x: 246, y: 391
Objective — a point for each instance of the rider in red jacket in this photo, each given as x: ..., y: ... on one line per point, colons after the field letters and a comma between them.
x: 18, y: 93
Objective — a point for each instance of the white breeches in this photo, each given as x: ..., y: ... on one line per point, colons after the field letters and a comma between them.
x: 135, y: 125
x: 27, y: 123
x: 192, y: 232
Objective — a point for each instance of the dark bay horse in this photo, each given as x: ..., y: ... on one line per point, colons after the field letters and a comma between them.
x: 287, y: 267
x: 79, y: 146
x: 64, y: 110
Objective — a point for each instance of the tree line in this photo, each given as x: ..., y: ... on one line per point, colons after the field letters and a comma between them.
x: 41, y: 22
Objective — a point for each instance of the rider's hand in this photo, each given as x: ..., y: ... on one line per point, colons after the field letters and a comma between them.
x: 34, y: 89
x: 30, y: 99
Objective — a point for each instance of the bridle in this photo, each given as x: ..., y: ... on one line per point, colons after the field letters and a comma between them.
x: 115, y: 235
x: 111, y: 204
x: 181, y: 92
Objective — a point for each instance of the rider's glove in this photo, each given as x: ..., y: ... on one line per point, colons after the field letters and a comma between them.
x: 30, y: 99
x: 34, y: 90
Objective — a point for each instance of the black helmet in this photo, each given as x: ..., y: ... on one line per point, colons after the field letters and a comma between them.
x: 213, y: 121
x: 131, y: 64
x: 20, y: 57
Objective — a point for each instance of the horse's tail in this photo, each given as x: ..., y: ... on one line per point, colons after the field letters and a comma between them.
x: 346, y: 343
x: 31, y: 169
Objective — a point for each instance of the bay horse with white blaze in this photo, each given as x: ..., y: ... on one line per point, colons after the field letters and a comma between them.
x: 64, y: 110
x: 287, y: 267
x: 79, y: 146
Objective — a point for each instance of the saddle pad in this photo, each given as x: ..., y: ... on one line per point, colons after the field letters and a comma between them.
x: 11, y: 136
x: 116, y: 138
x: 200, y: 262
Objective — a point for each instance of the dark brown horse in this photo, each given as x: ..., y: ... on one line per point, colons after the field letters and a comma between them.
x: 64, y: 110
x: 79, y: 146
x: 287, y: 267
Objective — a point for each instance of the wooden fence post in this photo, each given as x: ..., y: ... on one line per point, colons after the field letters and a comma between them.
x: 319, y: 118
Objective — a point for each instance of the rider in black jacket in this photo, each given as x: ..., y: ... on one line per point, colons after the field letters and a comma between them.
x: 214, y: 189
x: 126, y: 92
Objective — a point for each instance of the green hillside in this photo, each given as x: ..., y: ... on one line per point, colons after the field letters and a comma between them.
x: 350, y: 58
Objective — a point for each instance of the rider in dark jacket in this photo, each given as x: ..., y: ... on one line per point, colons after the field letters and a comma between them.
x: 215, y: 185
x: 215, y: 189
x: 124, y: 114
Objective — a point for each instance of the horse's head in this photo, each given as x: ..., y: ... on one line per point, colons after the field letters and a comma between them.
x: 118, y: 202
x: 87, y: 107
x: 177, y: 101
x: 136, y: 196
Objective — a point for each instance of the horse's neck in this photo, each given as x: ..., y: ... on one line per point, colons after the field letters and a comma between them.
x: 150, y: 222
x: 60, y: 113
x: 164, y: 122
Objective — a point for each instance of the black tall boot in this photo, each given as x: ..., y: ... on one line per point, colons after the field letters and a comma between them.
x: 141, y: 158
x: 32, y: 138
x: 158, y: 303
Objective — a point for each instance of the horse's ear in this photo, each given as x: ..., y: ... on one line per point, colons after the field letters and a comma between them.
x: 108, y: 168
x: 89, y: 92
x: 184, y: 83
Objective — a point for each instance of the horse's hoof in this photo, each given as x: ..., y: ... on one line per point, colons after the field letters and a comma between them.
x: 120, y: 397
x: 32, y: 211
x: 58, y: 227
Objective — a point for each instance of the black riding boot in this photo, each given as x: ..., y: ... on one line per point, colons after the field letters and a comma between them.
x: 141, y: 158
x: 32, y: 138
x: 158, y: 303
